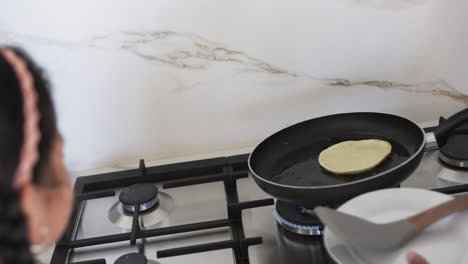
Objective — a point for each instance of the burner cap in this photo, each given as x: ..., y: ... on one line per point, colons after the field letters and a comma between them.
x: 124, y: 219
x: 145, y: 194
x: 132, y: 258
x: 455, y: 150
x: 297, y: 219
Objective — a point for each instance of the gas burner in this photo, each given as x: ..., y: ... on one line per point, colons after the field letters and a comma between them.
x: 144, y: 194
x: 298, y: 219
x: 454, y: 152
x: 132, y: 258
x: 155, y: 206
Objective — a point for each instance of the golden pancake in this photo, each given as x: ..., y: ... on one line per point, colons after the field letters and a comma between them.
x: 354, y: 156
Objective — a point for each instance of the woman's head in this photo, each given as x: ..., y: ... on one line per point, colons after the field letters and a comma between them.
x: 36, y: 205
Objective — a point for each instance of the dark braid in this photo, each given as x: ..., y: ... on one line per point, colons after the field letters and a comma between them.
x: 14, y: 243
x: 14, y: 240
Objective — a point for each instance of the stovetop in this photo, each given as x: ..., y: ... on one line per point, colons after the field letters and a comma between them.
x: 216, y: 207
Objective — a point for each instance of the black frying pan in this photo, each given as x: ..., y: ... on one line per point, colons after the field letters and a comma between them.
x: 285, y: 165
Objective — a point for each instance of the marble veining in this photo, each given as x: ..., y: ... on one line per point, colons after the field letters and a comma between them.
x: 184, y: 50
x: 13, y: 38
x: 436, y: 88
x: 190, y: 51
x: 380, y: 84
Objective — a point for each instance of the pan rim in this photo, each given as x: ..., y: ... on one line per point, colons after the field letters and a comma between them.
x: 421, y: 148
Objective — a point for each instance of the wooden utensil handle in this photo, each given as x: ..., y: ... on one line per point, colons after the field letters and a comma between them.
x: 426, y: 218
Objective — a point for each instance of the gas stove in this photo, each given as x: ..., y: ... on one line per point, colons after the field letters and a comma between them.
x: 204, y: 211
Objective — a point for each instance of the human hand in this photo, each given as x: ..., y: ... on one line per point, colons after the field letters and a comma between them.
x: 414, y: 258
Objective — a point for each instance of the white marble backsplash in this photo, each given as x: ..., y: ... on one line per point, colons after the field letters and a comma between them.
x: 163, y: 79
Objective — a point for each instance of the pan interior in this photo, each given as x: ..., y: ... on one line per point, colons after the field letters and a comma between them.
x: 290, y: 157
x: 302, y: 168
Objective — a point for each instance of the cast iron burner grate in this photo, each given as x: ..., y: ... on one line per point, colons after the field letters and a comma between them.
x: 228, y: 170
x: 223, y: 169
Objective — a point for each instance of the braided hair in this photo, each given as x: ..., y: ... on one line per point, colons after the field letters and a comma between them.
x: 14, y: 240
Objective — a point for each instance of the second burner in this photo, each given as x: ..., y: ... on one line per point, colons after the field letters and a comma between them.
x: 144, y: 194
x: 297, y: 219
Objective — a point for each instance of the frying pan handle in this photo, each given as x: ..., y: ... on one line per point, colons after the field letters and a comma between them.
x: 442, y: 132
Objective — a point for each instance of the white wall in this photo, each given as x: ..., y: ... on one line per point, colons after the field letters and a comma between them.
x: 157, y: 79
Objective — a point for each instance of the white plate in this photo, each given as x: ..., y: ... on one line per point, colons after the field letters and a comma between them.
x: 444, y: 242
